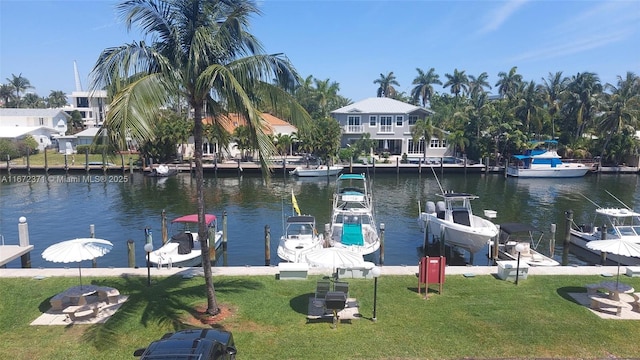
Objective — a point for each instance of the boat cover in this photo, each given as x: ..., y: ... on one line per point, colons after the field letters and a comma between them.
x: 352, y: 234
x: 184, y: 241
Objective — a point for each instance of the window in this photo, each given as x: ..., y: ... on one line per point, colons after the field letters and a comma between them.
x: 413, y: 120
x: 399, y: 120
x: 40, y: 121
x: 354, y: 125
x: 372, y: 121
x: 386, y: 124
x: 415, y: 148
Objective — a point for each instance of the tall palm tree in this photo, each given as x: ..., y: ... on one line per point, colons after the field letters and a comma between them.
x: 19, y: 84
x: 552, y: 89
x: 530, y: 107
x: 386, y: 83
x: 477, y: 84
x: 509, y: 83
x: 621, y: 107
x: 423, y: 89
x: 326, y: 92
x: 202, y: 49
x: 57, y: 99
x: 581, y: 102
x: 6, y: 94
x: 423, y: 129
x: 459, y: 82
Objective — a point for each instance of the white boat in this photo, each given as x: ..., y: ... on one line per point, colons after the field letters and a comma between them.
x: 453, y: 221
x: 621, y: 223
x: 184, y: 248
x: 300, y: 238
x: 545, y: 163
x: 162, y: 171
x: 353, y: 225
x: 528, y: 237
x: 316, y: 171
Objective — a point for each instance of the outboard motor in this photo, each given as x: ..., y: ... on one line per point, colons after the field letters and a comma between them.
x: 440, y: 209
x: 431, y: 207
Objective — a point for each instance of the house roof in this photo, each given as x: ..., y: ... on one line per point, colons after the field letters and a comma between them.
x: 11, y: 132
x: 234, y: 120
x: 89, y: 132
x: 31, y: 112
x: 380, y: 105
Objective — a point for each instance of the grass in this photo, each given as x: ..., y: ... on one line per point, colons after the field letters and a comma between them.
x: 478, y: 317
x: 54, y: 158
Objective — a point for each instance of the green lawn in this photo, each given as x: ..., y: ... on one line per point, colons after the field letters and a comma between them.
x: 478, y: 317
x: 54, y: 158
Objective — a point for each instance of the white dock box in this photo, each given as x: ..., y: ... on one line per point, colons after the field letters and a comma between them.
x: 293, y: 271
x: 507, y: 270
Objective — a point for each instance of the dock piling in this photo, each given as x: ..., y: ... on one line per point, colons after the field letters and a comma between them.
x: 267, y: 245
x: 23, y: 237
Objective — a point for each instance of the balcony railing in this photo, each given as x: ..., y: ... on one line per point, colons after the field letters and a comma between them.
x: 354, y: 129
x: 386, y: 128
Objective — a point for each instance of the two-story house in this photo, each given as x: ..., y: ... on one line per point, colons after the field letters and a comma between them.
x: 389, y: 123
x: 44, y: 125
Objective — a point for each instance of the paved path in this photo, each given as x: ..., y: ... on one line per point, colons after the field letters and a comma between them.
x: 273, y: 270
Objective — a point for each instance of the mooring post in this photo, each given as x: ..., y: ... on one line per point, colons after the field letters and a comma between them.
x: 397, y: 166
x: 8, y: 164
x: 552, y: 241
x: 23, y: 237
x: 92, y: 234
x: 567, y: 237
x: 603, y: 236
x: 28, y: 161
x: 224, y: 231
x: 327, y: 235
x: 46, y: 162
x: 131, y: 252
x: 86, y: 159
x: 381, y: 243
x: 267, y: 245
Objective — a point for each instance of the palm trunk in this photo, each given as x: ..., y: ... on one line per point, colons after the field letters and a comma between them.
x: 203, y: 235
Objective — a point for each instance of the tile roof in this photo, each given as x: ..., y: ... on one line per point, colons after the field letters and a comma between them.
x: 232, y: 121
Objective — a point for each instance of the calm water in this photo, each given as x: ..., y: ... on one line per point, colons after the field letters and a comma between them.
x: 58, y: 211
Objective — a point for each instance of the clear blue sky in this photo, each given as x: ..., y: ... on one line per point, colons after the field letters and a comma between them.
x: 353, y: 42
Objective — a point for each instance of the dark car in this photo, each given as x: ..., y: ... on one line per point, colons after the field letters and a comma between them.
x: 205, y: 344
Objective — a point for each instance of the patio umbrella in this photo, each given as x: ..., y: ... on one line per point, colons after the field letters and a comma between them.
x: 620, y: 247
x: 334, y: 258
x: 77, y: 250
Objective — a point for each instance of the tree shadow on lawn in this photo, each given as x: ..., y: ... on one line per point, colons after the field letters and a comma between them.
x: 565, y: 291
x: 166, y: 302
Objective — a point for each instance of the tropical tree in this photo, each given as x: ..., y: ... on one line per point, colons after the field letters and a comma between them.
x: 325, y: 93
x: 33, y: 101
x: 386, y: 83
x: 552, y: 89
x: 458, y: 140
x: 423, y: 129
x: 580, y: 103
x: 202, y: 50
x: 19, y: 85
x: 283, y: 144
x: 477, y: 84
x: 423, y: 89
x: 529, y: 107
x: 57, y: 99
x: 459, y: 82
x: 322, y: 139
x: 620, y: 109
x: 509, y: 83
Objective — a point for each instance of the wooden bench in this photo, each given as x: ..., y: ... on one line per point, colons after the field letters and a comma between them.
x: 633, y: 271
x: 293, y: 271
x: 108, y: 295
x: 598, y: 303
x: 81, y: 311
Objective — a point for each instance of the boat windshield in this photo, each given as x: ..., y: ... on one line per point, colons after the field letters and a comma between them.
x: 626, y: 231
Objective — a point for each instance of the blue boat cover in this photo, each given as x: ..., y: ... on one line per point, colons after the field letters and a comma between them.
x: 352, y: 234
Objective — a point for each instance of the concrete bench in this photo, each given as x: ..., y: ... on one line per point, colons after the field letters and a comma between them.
x: 81, y: 311
x: 633, y: 271
x: 59, y: 302
x: 108, y: 295
x: 592, y: 289
x: 598, y: 303
x: 293, y: 271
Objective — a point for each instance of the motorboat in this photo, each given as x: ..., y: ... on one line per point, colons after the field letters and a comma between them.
x: 452, y: 220
x: 184, y: 248
x: 300, y: 238
x: 353, y: 225
x: 545, y: 163
x: 162, y: 170
x: 618, y: 223
x: 526, y: 238
x: 316, y: 171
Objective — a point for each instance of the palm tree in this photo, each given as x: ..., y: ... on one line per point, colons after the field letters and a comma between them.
x: 386, y: 83
x: 6, y: 94
x: 621, y: 108
x: 423, y: 89
x: 202, y: 50
x: 477, y: 85
x: 509, y: 83
x: 552, y: 90
x: 57, y: 99
x: 325, y: 93
x: 423, y: 129
x: 459, y: 82
x: 19, y: 84
x: 529, y: 107
x: 581, y: 103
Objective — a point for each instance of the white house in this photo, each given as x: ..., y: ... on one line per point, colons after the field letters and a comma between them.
x: 92, y: 105
x: 44, y: 125
x: 389, y: 122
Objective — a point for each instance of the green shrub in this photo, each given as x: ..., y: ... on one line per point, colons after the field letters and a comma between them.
x: 8, y: 148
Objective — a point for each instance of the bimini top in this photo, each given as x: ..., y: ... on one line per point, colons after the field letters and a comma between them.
x: 351, y: 176
x: 193, y: 218
x: 615, y: 212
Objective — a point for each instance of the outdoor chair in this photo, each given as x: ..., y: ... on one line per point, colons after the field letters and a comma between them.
x: 341, y: 286
x: 322, y: 288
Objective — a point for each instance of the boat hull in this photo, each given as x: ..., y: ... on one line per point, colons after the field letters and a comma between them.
x: 580, y: 239
x: 470, y: 238
x: 294, y: 250
x: 169, y: 256
x: 557, y: 172
x: 316, y: 172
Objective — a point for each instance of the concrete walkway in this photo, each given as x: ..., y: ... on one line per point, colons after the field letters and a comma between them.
x: 273, y: 270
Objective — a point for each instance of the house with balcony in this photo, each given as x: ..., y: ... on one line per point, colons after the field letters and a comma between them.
x: 92, y: 106
x: 389, y: 124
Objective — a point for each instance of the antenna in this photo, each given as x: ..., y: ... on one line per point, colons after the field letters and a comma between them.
x: 620, y: 201
x: 590, y: 201
x: 437, y: 180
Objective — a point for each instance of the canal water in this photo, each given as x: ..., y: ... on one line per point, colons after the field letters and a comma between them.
x: 122, y: 207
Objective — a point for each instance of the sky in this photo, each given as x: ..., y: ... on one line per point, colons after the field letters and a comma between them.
x: 353, y: 42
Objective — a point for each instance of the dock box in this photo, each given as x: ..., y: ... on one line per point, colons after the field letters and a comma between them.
x: 507, y: 270
x: 293, y: 271
x: 633, y: 271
